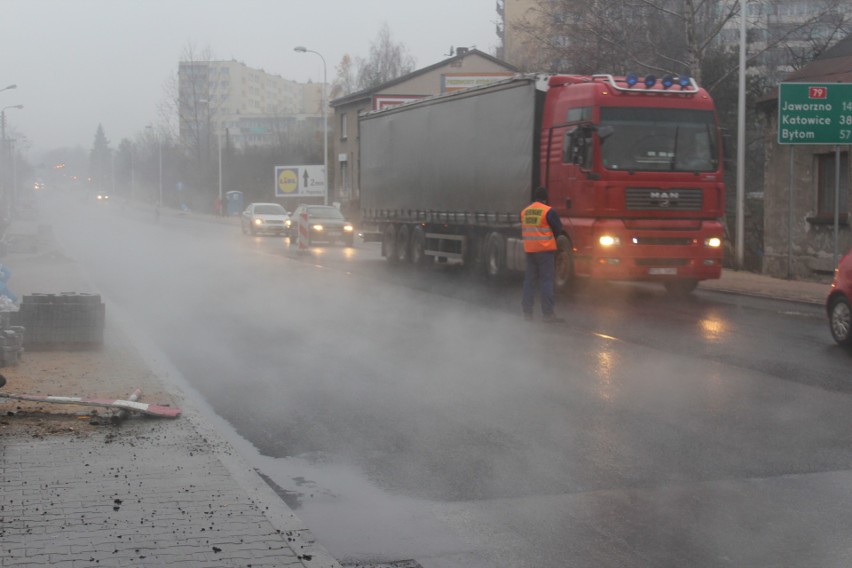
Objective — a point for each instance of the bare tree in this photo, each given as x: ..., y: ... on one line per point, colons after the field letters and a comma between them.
x: 674, y: 36
x: 345, y: 82
x: 387, y: 60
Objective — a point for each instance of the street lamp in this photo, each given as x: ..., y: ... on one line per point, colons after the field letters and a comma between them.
x: 8, y: 87
x: 219, y: 144
x: 741, y: 106
x: 303, y: 49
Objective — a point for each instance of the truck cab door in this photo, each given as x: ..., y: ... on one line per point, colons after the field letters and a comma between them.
x: 578, y: 160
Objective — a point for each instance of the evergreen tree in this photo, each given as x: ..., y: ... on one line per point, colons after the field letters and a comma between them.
x: 100, y: 161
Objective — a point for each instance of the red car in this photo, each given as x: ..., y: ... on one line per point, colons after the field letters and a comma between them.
x: 838, y: 302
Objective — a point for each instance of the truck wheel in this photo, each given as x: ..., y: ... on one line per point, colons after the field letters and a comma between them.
x: 494, y: 256
x: 389, y: 244
x: 680, y: 287
x: 564, y: 277
x: 418, y: 247
x: 403, y: 244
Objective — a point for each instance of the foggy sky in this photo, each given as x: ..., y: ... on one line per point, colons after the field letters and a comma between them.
x: 78, y: 63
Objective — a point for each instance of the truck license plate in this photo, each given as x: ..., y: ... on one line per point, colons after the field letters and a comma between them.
x: 663, y: 271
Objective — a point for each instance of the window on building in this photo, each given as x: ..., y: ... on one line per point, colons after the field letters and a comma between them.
x: 826, y: 170
x: 343, y: 134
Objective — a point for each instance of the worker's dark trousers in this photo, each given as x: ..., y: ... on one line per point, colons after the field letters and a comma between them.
x: 539, y: 276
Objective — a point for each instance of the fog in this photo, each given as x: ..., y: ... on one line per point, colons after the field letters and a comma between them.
x: 416, y: 415
x: 81, y: 63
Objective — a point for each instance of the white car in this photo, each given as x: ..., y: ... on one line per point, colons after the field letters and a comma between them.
x: 264, y: 218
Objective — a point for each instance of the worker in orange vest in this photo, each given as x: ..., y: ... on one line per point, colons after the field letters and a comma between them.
x: 540, y: 225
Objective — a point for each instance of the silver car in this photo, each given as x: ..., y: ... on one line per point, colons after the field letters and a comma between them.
x: 264, y: 218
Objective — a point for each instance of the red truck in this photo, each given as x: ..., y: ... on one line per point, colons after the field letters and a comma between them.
x: 633, y: 167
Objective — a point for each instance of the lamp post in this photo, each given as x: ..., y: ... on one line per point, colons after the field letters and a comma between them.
x: 219, y: 150
x: 221, y: 203
x: 303, y: 49
x: 741, y: 106
x: 8, y: 87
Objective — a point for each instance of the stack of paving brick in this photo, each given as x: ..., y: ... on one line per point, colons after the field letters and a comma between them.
x: 67, y: 321
x: 11, y: 341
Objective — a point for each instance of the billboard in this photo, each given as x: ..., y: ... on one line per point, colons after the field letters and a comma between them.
x: 300, y: 181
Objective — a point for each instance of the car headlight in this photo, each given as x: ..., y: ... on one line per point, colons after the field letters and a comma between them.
x: 713, y: 242
x: 317, y: 228
x: 287, y: 223
x: 609, y: 241
x: 258, y: 221
x: 348, y: 228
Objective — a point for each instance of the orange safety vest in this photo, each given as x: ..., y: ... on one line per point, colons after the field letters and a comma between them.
x: 536, y: 233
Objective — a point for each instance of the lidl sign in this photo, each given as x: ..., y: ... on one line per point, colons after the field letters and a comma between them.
x: 811, y: 113
x: 300, y: 181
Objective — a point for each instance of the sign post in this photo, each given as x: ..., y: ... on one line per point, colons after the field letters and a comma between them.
x: 817, y: 113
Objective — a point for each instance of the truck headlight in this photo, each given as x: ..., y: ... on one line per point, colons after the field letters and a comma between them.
x: 609, y: 241
x: 317, y: 228
x: 347, y: 228
x: 713, y: 242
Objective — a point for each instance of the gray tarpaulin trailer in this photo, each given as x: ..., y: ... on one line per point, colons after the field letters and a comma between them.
x: 442, y: 175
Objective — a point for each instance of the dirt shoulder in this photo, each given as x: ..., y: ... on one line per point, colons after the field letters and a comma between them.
x: 113, y: 371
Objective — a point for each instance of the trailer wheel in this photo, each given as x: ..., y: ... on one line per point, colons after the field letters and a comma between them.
x: 418, y: 247
x: 564, y: 277
x: 494, y: 256
x: 680, y: 288
x: 389, y: 243
x: 403, y: 244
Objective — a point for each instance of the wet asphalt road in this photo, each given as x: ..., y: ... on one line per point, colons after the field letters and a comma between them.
x: 412, y: 415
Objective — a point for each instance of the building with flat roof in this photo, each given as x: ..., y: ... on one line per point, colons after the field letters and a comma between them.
x: 253, y: 107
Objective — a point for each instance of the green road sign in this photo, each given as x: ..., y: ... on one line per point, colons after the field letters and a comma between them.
x: 811, y: 113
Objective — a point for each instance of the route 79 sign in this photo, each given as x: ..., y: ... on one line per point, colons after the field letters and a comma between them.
x: 811, y: 113
x: 300, y: 181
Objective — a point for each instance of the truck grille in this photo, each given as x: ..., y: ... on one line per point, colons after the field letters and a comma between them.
x: 644, y: 198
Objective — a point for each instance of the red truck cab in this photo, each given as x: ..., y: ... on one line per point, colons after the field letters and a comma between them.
x: 634, y: 168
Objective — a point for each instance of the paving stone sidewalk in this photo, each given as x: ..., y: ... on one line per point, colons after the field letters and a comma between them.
x: 152, y: 493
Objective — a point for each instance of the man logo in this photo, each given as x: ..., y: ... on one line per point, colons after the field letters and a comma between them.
x: 664, y: 198
x: 664, y: 195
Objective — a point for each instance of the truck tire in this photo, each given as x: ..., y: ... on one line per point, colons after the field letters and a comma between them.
x: 403, y: 244
x: 418, y: 247
x: 494, y: 256
x: 389, y: 243
x: 564, y: 278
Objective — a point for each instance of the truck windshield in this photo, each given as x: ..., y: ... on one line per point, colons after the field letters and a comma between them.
x: 659, y: 139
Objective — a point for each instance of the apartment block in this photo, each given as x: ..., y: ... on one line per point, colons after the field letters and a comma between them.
x: 252, y: 106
